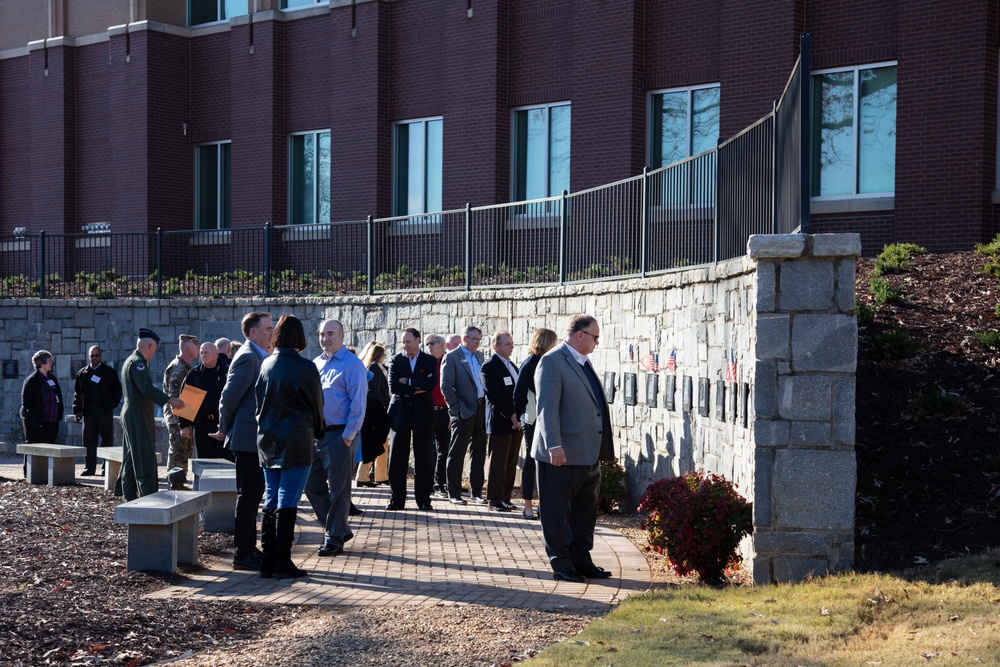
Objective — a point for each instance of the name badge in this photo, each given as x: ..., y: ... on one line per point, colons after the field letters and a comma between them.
x: 95, y: 379
x: 52, y: 383
x: 508, y: 380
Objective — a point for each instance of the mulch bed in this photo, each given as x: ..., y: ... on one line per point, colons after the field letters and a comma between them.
x: 928, y: 483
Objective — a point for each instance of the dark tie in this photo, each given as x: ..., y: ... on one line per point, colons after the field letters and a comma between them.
x: 607, y: 442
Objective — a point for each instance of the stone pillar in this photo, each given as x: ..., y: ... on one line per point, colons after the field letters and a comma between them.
x: 803, y: 419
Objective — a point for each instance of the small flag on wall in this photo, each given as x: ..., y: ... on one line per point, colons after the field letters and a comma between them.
x: 672, y: 361
x: 651, y: 362
x: 628, y: 349
x: 731, y: 366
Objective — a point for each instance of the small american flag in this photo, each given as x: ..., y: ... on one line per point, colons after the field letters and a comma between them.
x: 651, y: 362
x: 731, y: 366
x: 672, y: 361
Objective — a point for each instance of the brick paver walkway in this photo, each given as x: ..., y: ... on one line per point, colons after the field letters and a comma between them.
x: 450, y: 556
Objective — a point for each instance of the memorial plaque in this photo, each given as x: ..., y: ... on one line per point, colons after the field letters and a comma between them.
x: 687, y: 399
x: 652, y: 388
x: 720, y: 400
x: 703, y: 397
x: 669, y: 386
x: 609, y: 386
x: 744, y: 402
x: 732, y: 390
x: 630, y: 389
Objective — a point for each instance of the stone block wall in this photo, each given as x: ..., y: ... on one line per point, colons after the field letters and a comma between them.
x: 785, y: 312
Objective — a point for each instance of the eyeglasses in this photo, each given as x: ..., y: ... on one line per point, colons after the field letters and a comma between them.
x: 597, y: 339
x: 433, y: 342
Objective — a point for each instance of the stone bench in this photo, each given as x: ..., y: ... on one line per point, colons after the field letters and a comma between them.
x: 163, y: 529
x: 54, y: 465
x: 198, y: 466
x: 221, y: 483
x: 113, y: 458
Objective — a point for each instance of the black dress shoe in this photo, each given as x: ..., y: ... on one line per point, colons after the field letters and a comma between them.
x: 370, y: 485
x: 593, y: 572
x: 394, y: 506
x: 567, y: 574
x: 478, y: 500
x: 329, y: 550
x: 354, y: 511
x: 250, y: 562
x: 509, y: 505
x: 458, y: 501
x: 529, y: 517
x: 89, y: 472
x: 498, y: 508
x: 427, y: 507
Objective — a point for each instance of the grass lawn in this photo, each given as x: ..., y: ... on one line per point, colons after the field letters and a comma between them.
x: 947, y: 614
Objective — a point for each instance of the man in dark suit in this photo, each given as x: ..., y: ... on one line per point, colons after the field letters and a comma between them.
x: 209, y: 375
x: 412, y: 376
x: 572, y: 435
x: 462, y: 386
x: 502, y: 426
x: 96, y: 394
x: 238, y: 427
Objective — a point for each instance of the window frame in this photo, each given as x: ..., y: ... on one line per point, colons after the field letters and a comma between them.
x: 315, y: 174
x: 220, y: 11
x: 218, y: 185
x: 690, y: 105
x: 514, y: 155
x: 855, y: 131
x: 301, y: 7
x: 407, y: 217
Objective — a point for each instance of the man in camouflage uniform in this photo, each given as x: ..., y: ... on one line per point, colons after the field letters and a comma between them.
x: 181, y: 448
x: 138, y: 476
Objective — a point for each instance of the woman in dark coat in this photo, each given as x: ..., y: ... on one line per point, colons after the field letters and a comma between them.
x: 41, y: 401
x: 542, y: 340
x: 376, y: 426
x: 289, y: 420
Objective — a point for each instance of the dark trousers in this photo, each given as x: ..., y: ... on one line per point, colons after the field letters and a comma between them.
x: 45, y: 434
x: 206, y: 447
x: 503, y: 466
x: 423, y: 464
x: 468, y: 435
x: 442, y: 443
x: 528, y: 471
x: 97, y: 425
x: 328, y: 486
x: 249, y: 492
x: 569, y: 496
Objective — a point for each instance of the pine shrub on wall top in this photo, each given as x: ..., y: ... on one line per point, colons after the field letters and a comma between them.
x: 699, y: 519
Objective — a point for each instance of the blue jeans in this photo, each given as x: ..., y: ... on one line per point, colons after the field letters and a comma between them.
x: 283, y: 486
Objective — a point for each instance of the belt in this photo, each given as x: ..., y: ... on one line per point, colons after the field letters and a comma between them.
x: 333, y: 426
x: 482, y: 400
x: 210, y: 418
x: 440, y: 407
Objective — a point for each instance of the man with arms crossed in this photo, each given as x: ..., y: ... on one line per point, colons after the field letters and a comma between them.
x: 572, y: 434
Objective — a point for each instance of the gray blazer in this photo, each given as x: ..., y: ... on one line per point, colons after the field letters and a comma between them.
x: 569, y: 415
x: 458, y: 385
x: 238, y: 405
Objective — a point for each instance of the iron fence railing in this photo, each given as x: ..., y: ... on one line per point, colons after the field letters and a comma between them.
x: 697, y: 211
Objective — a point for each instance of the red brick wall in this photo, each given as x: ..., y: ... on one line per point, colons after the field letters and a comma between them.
x: 170, y: 158
x: 52, y: 105
x: 15, y: 144
x: 94, y: 171
x: 306, y: 89
x: 876, y: 229
x: 209, y: 82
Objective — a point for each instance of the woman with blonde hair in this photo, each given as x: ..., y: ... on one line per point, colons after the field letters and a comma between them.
x: 376, y: 426
x: 542, y: 340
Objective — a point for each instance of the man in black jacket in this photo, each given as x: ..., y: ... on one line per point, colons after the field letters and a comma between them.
x: 96, y: 394
x: 502, y: 425
x: 210, y: 376
x: 412, y: 376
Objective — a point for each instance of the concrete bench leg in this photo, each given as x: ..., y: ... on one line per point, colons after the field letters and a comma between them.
x: 62, y: 471
x: 38, y: 469
x: 187, y: 539
x: 111, y: 470
x: 221, y: 516
x: 152, y: 548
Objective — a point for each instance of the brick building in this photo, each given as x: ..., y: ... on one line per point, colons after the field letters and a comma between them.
x: 208, y: 114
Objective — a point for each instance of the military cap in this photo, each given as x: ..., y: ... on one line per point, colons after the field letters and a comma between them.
x: 187, y: 338
x: 148, y: 333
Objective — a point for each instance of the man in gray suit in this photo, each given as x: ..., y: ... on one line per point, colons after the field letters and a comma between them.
x: 572, y: 434
x: 462, y: 386
x: 238, y: 427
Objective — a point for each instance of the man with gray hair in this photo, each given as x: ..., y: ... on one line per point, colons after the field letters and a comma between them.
x: 465, y: 395
x: 181, y: 447
x: 435, y: 345
x: 96, y: 394
x: 224, y: 345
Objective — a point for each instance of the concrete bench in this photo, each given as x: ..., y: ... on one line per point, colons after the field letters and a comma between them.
x: 221, y: 483
x: 54, y: 465
x: 163, y: 529
x: 198, y: 466
x: 113, y: 458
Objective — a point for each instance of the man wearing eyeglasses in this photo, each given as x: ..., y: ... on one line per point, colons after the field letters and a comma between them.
x: 462, y: 386
x: 572, y: 436
x: 436, y: 347
x: 96, y: 394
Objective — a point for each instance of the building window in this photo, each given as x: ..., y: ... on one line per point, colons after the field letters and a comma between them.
x: 682, y: 122
x: 417, y: 166
x: 309, y: 178
x: 854, y: 131
x: 213, y: 11
x: 295, y: 4
x: 211, y: 198
x: 541, y: 151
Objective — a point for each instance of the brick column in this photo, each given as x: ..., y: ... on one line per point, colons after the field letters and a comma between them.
x: 53, y: 137
x: 803, y: 419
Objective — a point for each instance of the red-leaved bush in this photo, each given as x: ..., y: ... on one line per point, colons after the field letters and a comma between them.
x: 699, y: 519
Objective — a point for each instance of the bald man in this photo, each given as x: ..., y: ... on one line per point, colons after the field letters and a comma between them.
x: 210, y: 376
x: 96, y: 394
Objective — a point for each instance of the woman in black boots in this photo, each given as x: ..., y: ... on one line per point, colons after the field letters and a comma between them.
x: 290, y: 419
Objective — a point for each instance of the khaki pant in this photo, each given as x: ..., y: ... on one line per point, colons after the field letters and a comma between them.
x: 381, y: 469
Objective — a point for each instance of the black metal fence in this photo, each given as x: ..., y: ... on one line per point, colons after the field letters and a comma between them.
x: 697, y: 211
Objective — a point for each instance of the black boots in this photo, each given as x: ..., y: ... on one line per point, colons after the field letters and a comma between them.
x: 267, y: 543
x: 284, y: 532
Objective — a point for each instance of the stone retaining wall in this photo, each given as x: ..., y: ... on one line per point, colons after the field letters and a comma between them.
x: 783, y: 432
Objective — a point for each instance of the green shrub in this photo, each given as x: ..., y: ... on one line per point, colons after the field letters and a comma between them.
x: 893, y: 346
x: 613, y: 478
x: 359, y: 278
x: 110, y: 274
x: 173, y: 286
x: 938, y: 403
x: 288, y: 274
x: 896, y: 258
x: 990, y: 339
x: 699, y: 520
x: 882, y: 292
x: 991, y: 249
x: 991, y: 268
x: 864, y: 312
x: 53, y: 278
x: 154, y: 276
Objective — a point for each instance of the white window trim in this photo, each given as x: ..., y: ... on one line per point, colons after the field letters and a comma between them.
x: 428, y: 222
x: 649, y: 114
x: 315, y: 168
x: 218, y: 185
x: 548, y: 140
x: 882, y: 196
x: 311, y: 6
